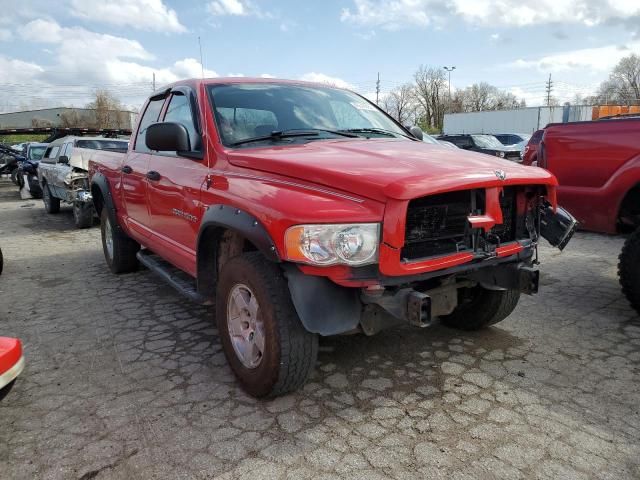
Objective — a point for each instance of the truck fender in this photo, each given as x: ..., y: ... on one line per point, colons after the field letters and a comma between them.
x: 100, y: 185
x: 215, y: 221
x: 323, y: 306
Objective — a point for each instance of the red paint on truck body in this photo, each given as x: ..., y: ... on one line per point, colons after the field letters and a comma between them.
x: 596, y: 163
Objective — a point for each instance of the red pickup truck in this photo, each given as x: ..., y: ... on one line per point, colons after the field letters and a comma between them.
x: 302, y: 210
x: 597, y: 164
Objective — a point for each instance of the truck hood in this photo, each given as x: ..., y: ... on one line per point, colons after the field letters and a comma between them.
x: 380, y: 169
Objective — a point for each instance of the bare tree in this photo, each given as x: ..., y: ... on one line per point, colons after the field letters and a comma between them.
x: 430, y: 94
x: 108, y: 111
x: 400, y: 104
x: 623, y: 85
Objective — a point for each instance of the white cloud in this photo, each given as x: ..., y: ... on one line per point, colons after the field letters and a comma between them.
x: 601, y: 59
x: 220, y: 8
x: 322, y: 78
x: 140, y: 14
x: 5, y: 35
x: 394, y: 14
x: 14, y: 71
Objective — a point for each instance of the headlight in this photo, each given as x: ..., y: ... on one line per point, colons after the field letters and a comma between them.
x: 500, y: 154
x: 351, y: 244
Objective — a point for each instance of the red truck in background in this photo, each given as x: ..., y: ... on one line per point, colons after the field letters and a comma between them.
x: 302, y: 210
x: 597, y: 165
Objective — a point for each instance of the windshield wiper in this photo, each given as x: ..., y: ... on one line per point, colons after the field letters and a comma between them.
x: 293, y: 132
x: 379, y: 131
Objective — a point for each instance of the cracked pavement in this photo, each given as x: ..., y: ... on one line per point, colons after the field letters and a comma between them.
x: 126, y: 379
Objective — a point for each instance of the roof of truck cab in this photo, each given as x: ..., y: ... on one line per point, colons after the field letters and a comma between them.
x: 194, y: 82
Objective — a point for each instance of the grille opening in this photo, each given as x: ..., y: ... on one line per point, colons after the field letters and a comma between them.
x: 438, y: 224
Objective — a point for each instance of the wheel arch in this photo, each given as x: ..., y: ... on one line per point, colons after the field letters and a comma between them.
x: 630, y: 205
x: 101, y: 194
x: 226, y: 230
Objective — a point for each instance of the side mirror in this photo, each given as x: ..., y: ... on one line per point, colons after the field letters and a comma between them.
x: 63, y: 159
x: 416, y: 132
x: 167, y: 137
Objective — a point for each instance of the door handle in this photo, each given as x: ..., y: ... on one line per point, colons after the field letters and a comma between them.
x: 153, y: 175
x: 126, y: 169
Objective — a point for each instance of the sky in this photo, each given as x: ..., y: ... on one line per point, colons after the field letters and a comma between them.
x: 58, y: 53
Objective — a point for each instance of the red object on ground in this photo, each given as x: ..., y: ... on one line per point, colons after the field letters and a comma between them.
x: 11, y: 360
x: 597, y: 165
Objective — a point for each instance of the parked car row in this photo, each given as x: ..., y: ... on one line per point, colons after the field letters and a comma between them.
x: 483, y: 143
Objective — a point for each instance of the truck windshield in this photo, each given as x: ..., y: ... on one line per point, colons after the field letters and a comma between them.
x: 36, y: 153
x: 253, y: 111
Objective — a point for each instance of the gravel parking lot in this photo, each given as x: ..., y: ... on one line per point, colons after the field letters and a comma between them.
x: 126, y: 379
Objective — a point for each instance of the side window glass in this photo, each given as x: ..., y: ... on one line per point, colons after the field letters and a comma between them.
x: 150, y: 116
x: 53, y: 153
x: 179, y: 111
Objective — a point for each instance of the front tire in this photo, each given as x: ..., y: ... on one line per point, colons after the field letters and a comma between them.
x: 83, y: 214
x: 15, y: 176
x: 264, y: 341
x: 119, y: 250
x: 629, y: 269
x: 479, y: 308
x: 51, y: 203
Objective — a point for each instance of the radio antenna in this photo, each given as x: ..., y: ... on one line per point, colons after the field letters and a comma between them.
x: 204, y: 111
x: 201, y: 62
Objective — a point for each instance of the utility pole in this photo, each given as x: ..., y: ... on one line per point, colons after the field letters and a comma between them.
x: 549, y: 89
x: 449, y: 70
x: 378, y: 88
x: 154, y: 81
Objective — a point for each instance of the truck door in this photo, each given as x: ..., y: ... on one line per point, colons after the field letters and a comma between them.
x: 134, y: 173
x: 174, y: 187
x: 63, y: 169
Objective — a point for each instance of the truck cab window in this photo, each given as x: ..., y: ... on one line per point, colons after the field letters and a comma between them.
x: 150, y: 116
x: 179, y: 111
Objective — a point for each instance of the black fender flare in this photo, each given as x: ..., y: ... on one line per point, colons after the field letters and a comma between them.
x: 100, y: 183
x: 217, y: 219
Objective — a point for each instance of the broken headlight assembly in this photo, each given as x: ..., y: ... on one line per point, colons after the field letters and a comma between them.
x: 556, y: 227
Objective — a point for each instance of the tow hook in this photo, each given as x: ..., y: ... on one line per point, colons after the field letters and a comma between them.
x: 419, y: 309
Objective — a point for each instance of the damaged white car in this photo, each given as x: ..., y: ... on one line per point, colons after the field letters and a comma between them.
x: 63, y: 174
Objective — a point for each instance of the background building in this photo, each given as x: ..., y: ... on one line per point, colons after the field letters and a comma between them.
x: 521, y: 120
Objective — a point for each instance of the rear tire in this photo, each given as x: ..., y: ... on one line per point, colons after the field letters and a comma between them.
x: 629, y: 269
x: 479, y: 308
x: 83, y: 214
x: 119, y: 250
x: 282, y: 354
x: 51, y: 204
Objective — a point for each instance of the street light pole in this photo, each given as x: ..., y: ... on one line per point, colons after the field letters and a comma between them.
x: 449, y: 70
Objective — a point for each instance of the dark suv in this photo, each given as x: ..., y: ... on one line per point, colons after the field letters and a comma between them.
x: 484, y: 144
